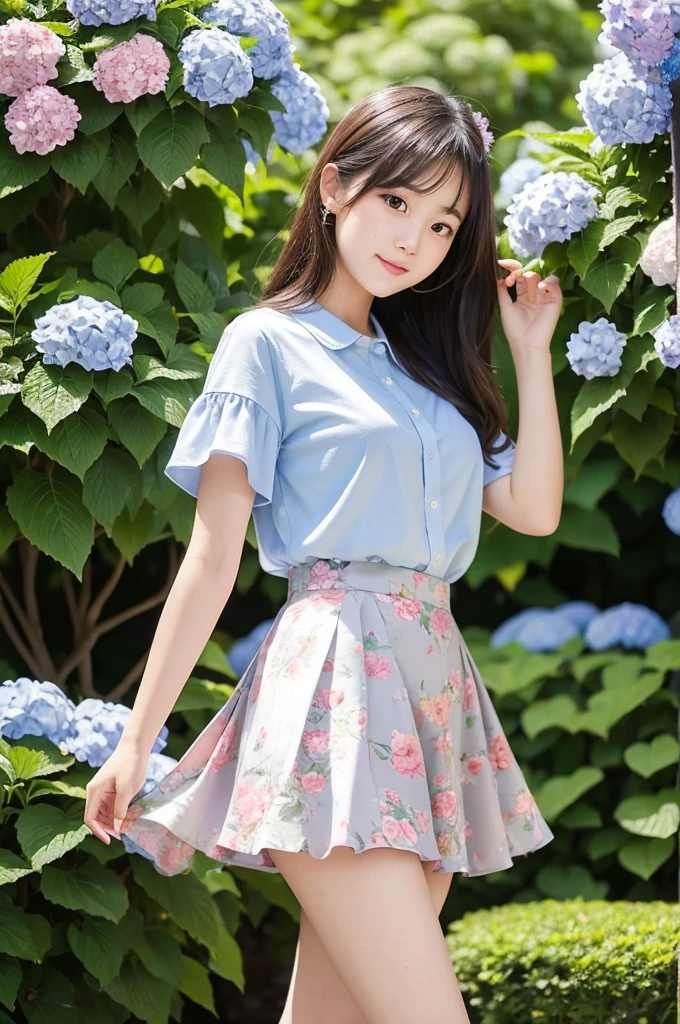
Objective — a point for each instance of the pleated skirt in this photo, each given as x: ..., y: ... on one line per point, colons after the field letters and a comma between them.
x: 361, y: 721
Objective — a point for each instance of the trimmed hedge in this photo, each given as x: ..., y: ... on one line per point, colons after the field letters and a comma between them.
x: 569, y: 962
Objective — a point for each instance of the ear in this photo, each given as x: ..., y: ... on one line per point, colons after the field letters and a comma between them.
x: 329, y: 186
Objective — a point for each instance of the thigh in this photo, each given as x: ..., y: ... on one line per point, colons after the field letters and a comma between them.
x: 373, y: 914
x: 439, y: 883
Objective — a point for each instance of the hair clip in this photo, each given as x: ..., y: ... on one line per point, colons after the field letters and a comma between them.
x: 482, y: 123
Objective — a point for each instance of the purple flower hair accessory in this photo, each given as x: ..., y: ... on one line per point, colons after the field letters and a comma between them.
x: 482, y: 123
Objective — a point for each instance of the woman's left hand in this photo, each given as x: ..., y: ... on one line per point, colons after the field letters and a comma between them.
x: 529, y: 321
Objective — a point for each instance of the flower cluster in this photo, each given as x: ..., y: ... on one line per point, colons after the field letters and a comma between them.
x: 93, y: 333
x: 28, y: 55
x: 110, y: 12
x: 631, y: 625
x: 216, y: 68
x: 517, y: 175
x: 667, y: 341
x: 594, y: 350
x: 643, y: 29
x: 137, y: 67
x: 305, y: 120
x: 89, y: 730
x: 545, y: 629
x: 40, y: 119
x: 625, y: 102
x: 658, y: 257
x: 670, y: 511
x: 550, y: 209
x: 259, y: 18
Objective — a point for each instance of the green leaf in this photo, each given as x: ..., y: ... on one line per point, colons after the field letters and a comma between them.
x: 112, y: 384
x: 18, y: 278
x: 19, y: 170
x: 580, y: 815
x: 607, y: 277
x: 115, y: 263
x: 99, y: 945
x: 107, y: 484
x: 46, y: 833
x: 169, y: 145
x: 570, y: 881
x: 148, y: 998
x: 96, y: 112
x: 47, y: 996
x: 139, y: 200
x: 11, y: 868
x: 181, y: 364
x: 193, y: 292
x: 75, y: 442
x: 605, y: 842
x: 131, y: 534
x: 640, y: 443
x: 54, y: 392
x: 648, y: 758
x: 10, y: 979
x: 195, y: 983
x: 589, y: 529
x: 184, y: 898
x: 224, y: 155
x: 615, y: 228
x: 643, y: 857
x: 90, y: 887
x: 50, y: 513
x: 169, y: 401
x: 618, y: 197
x: 121, y: 160
x: 142, y: 297
x: 73, y: 67
x: 559, y: 792
x: 547, y: 714
x: 80, y: 161
x: 142, y: 111
x: 585, y: 246
x: 160, y: 324
x: 650, y: 814
x: 651, y: 309
x: 139, y: 431
x: 257, y: 124
x: 16, y: 937
x: 664, y: 655
x: 159, y: 951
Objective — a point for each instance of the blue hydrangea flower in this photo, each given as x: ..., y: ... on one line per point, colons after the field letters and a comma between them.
x: 517, y: 175
x: 631, y: 625
x: 667, y: 341
x: 29, y: 707
x: 243, y: 650
x: 93, y: 333
x: 260, y: 18
x: 95, y: 730
x: 547, y: 632
x: 594, y: 350
x: 511, y: 628
x: 306, y: 118
x: 643, y: 29
x: 550, y: 209
x: 216, y: 68
x: 625, y: 102
x: 110, y: 12
x: 671, y: 511
x: 578, y: 612
x: 670, y: 69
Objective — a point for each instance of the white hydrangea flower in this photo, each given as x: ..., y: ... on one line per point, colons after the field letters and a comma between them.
x: 658, y: 258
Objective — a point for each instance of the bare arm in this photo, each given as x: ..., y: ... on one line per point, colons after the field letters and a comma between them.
x: 199, y: 593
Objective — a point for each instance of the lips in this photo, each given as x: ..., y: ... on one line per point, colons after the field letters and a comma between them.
x: 393, y: 267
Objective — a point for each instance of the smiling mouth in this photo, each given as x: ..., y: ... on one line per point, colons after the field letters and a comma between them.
x: 393, y: 267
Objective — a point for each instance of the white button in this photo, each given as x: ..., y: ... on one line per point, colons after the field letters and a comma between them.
x: 380, y: 347
x: 437, y: 558
x: 387, y: 380
x: 430, y: 455
x: 433, y: 504
x: 416, y: 412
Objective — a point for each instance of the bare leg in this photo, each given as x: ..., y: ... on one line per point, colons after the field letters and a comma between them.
x: 373, y: 913
x: 314, y: 980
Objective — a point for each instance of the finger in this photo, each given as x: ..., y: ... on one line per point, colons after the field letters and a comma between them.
x: 120, y: 810
x: 92, y: 804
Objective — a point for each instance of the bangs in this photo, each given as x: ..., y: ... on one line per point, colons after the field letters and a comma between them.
x: 421, y: 165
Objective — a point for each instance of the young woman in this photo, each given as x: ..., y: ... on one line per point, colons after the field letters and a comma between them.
x: 353, y: 411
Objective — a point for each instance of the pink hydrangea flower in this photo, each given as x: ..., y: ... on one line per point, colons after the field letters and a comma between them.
x: 132, y: 69
x: 41, y: 119
x: 28, y: 55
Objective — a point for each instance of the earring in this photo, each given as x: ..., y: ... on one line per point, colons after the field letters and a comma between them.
x: 325, y: 214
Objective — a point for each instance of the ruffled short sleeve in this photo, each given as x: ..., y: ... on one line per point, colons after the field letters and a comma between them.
x: 504, y: 461
x: 239, y: 412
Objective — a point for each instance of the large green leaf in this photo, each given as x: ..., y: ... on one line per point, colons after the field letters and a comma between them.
x: 561, y: 791
x: 19, y: 170
x: 194, y: 982
x: 50, y: 513
x: 143, y: 297
x: 46, y: 833
x: 159, y: 951
x: 548, y: 714
x: 10, y: 979
x: 131, y: 534
x: 76, y: 442
x: 47, y: 996
x: 640, y: 443
x: 146, y: 997
x: 79, y: 161
x: 168, y: 399
x: 569, y: 881
x: 650, y: 814
x: 648, y: 758
x: 121, y: 160
x: 645, y: 856
x: 184, y: 898
x: 587, y: 529
x: 139, y: 430
x: 193, y: 292
x: 99, y: 945
x: 115, y: 263
x: 18, y: 278
x: 16, y: 935
x: 107, y: 484
x: 607, y: 277
x: 96, y: 112
x: 90, y: 887
x: 170, y: 143
x: 664, y: 655
x: 11, y: 868
x: 54, y: 392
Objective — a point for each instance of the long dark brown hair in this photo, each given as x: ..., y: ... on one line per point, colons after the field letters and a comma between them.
x: 394, y: 137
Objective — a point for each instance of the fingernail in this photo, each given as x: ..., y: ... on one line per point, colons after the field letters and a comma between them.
x: 117, y: 822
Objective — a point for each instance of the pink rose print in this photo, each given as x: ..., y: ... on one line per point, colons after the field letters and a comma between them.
x: 262, y: 735
x: 358, y: 647
x: 321, y: 699
x: 445, y: 805
x: 524, y: 803
x: 390, y: 827
x: 359, y: 719
x: 378, y: 665
x: 444, y: 843
x: 475, y: 765
x: 506, y: 816
x: 322, y: 575
x: 443, y: 744
x: 469, y: 694
x: 315, y: 741
x: 499, y: 753
x: 439, y: 709
x: 312, y: 782
x: 408, y: 831
x: 377, y: 839
x: 383, y: 807
x: 407, y: 609
x: 251, y: 802
x: 441, y: 621
x: 424, y: 820
x: 418, y: 716
x: 327, y: 665
x: 336, y: 698
x: 440, y: 779
x: 468, y: 830
x: 393, y: 796
x: 436, y: 865
x: 418, y: 578
x: 455, y: 680
x: 407, y: 755
x: 224, y: 750
x: 441, y: 592
x: 295, y: 771
x: 322, y: 598
x: 292, y: 668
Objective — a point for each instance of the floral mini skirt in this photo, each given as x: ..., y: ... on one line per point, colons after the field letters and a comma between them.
x: 361, y: 721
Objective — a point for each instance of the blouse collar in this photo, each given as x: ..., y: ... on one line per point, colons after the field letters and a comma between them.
x: 333, y: 332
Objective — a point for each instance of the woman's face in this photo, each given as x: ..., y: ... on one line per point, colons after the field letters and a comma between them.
x: 411, y: 229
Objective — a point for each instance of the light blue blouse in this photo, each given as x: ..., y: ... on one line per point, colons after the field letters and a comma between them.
x: 349, y: 457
